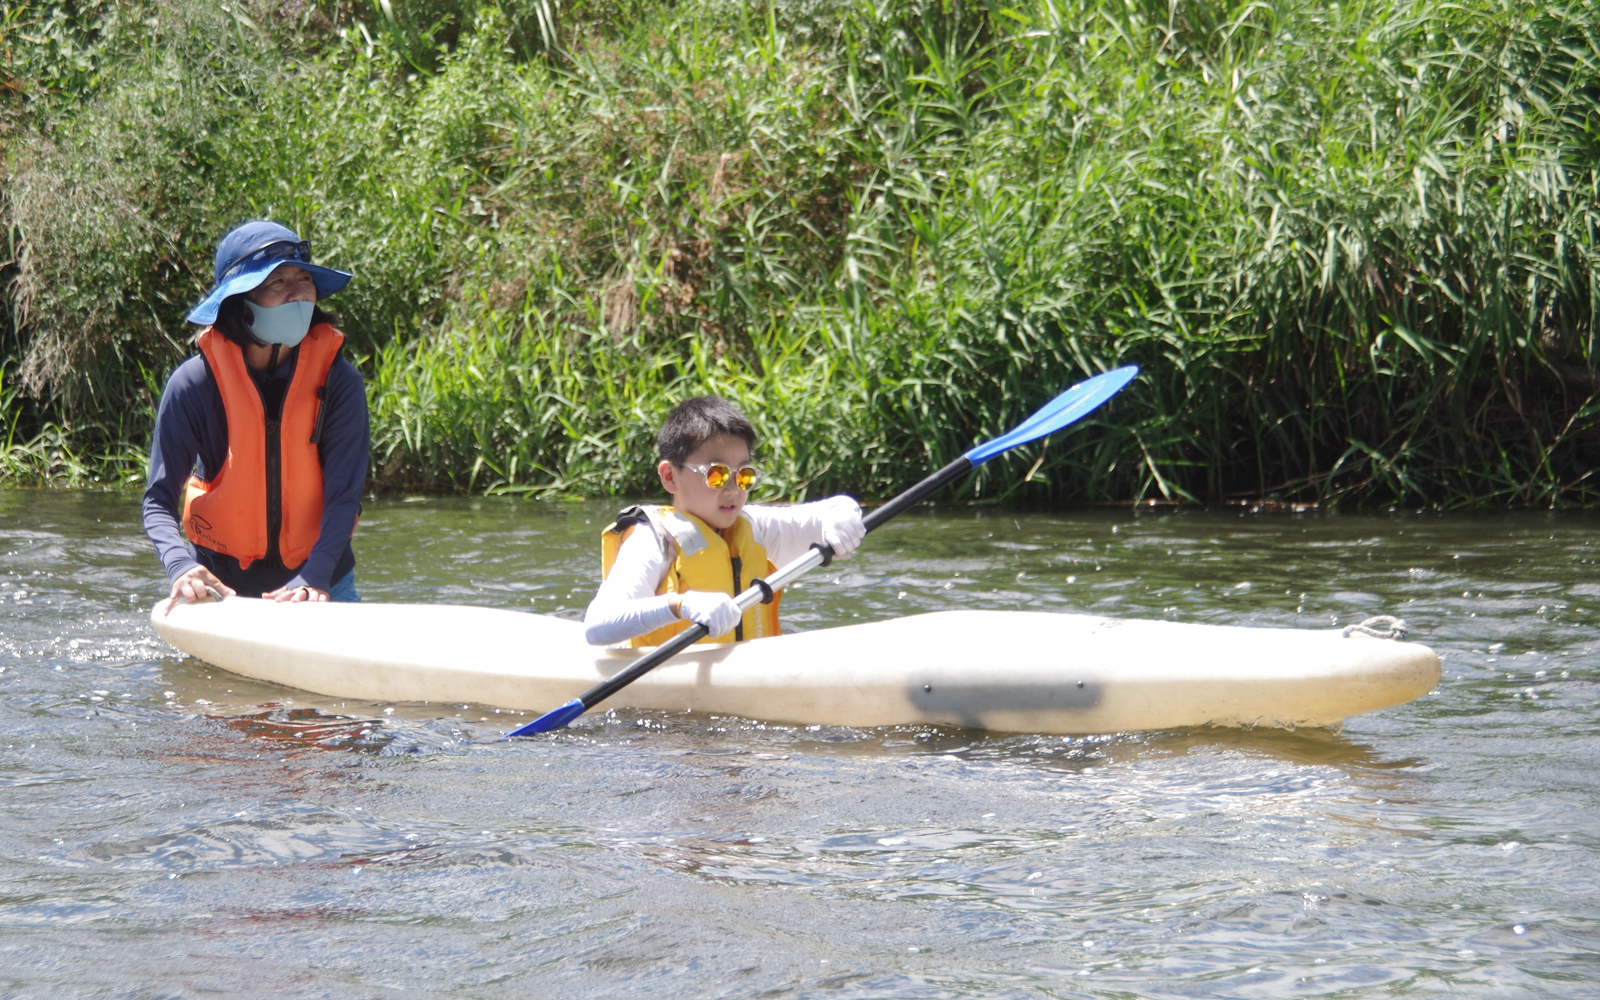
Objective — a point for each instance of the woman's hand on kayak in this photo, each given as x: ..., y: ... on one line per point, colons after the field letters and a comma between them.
x: 194, y: 586
x: 296, y: 595
x: 716, y: 611
x: 842, y: 528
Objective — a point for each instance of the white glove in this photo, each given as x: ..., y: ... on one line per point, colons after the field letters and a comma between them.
x: 842, y: 529
x: 713, y: 609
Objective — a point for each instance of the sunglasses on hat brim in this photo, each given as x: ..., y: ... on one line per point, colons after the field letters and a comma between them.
x: 299, y: 252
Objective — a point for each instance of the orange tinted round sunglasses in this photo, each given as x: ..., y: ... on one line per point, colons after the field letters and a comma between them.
x: 717, y: 475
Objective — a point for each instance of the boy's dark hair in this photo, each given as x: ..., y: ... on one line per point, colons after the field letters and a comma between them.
x: 698, y: 420
x: 231, y: 321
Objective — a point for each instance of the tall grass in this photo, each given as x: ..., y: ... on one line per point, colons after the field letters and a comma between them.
x: 1352, y: 245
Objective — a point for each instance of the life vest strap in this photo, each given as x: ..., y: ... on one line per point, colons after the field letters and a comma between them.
x: 628, y: 518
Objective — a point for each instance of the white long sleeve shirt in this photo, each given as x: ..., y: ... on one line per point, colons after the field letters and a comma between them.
x: 627, y: 604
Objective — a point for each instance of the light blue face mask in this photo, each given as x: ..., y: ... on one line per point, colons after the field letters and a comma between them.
x: 286, y: 324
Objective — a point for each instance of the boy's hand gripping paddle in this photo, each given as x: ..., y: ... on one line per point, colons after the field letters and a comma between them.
x: 1067, y: 408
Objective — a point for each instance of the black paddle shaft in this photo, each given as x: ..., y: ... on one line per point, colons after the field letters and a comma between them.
x: 694, y: 633
x: 666, y: 651
x: 918, y: 493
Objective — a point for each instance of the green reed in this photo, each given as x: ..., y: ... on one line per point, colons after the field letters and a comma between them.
x: 1353, y: 246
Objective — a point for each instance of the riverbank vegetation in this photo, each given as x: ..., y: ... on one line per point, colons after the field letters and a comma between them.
x: 1353, y: 245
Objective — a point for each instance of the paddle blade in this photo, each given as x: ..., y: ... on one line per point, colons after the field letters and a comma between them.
x: 1069, y: 407
x: 553, y: 719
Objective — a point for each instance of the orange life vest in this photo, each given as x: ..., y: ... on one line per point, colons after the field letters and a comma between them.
x: 228, y: 514
x: 707, y: 559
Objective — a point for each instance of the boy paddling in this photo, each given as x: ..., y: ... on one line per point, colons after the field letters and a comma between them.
x: 667, y: 566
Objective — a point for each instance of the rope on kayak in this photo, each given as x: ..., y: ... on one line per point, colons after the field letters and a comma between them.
x: 1379, y: 627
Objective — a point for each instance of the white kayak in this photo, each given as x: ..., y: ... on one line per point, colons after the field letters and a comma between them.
x: 1013, y: 671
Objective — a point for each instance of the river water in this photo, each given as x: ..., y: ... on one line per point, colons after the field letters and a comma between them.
x: 170, y: 830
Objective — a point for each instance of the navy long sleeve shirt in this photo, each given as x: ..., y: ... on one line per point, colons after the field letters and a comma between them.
x: 191, y: 435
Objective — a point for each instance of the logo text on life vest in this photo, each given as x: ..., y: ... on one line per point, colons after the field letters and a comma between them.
x: 200, y: 530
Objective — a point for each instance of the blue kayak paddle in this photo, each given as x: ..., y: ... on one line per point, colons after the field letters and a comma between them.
x: 1072, y: 405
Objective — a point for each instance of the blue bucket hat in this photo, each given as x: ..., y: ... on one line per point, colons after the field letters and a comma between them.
x: 251, y: 252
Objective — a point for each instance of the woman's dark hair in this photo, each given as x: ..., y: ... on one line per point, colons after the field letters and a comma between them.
x: 231, y: 321
x: 698, y: 420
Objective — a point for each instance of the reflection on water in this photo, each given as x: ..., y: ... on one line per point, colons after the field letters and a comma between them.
x: 307, y: 728
x: 198, y: 832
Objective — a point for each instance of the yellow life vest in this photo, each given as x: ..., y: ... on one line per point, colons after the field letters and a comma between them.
x: 708, y: 559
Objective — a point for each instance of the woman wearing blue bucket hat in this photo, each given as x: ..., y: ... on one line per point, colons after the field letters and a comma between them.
x: 261, y: 441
